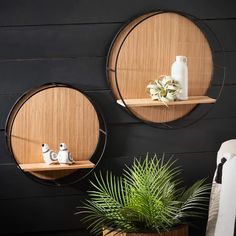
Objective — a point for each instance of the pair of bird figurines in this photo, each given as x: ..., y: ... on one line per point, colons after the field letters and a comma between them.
x: 63, y: 156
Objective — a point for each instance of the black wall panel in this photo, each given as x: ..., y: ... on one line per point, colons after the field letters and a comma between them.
x: 17, y: 185
x: 140, y: 138
x: 67, y: 41
x: 56, y: 41
x: 35, y: 214
x: 87, y: 73
x: 189, y: 163
x: 26, y: 12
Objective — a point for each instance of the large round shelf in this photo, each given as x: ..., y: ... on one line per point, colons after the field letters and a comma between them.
x: 53, y: 114
x: 145, y: 49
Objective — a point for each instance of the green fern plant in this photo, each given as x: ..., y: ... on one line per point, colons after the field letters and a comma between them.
x: 146, y: 198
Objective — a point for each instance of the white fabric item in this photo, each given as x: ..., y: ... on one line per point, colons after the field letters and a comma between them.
x: 227, y: 204
x: 220, y: 219
x: 213, y: 209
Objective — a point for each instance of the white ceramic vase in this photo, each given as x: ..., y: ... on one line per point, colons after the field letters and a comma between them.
x: 179, y: 71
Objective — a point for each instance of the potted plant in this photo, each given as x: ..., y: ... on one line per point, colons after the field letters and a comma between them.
x: 147, y: 199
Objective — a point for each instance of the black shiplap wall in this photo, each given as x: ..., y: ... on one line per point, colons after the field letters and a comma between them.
x: 67, y: 41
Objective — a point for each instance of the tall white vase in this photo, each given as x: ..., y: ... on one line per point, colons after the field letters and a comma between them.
x: 179, y: 71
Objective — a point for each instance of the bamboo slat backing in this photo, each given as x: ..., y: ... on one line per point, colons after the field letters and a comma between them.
x: 146, y: 48
x: 54, y: 115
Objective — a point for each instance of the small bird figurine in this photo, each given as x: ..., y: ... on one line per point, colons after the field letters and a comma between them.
x: 64, y: 156
x: 49, y: 156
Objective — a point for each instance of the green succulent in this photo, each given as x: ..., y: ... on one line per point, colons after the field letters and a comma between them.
x: 147, y: 197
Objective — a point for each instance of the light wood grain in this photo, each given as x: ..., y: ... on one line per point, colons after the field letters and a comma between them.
x: 44, y: 167
x: 149, y: 51
x: 148, y: 102
x: 52, y: 116
x: 179, y: 231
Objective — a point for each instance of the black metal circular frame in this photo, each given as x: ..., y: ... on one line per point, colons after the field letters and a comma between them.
x: 200, y: 110
x: 95, y: 158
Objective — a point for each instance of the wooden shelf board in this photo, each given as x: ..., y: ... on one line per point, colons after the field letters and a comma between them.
x: 44, y: 167
x: 148, y: 102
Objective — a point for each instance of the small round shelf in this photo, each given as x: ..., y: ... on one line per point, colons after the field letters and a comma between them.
x: 144, y: 50
x: 53, y: 114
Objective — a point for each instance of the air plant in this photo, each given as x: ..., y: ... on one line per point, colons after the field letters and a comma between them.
x: 164, y: 89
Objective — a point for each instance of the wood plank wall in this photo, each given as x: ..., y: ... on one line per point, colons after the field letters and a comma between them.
x: 67, y: 41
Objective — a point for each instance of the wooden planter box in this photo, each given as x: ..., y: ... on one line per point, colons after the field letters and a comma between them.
x: 178, y: 231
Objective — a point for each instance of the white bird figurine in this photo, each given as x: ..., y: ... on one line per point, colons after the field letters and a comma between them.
x: 64, y: 156
x: 49, y: 156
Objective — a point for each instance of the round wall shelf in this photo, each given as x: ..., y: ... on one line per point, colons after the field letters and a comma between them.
x: 144, y: 50
x: 54, y: 114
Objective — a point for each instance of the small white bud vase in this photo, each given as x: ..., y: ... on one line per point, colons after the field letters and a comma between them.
x: 179, y: 71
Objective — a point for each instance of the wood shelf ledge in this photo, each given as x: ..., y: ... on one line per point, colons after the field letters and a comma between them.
x: 148, y: 102
x: 44, y: 167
